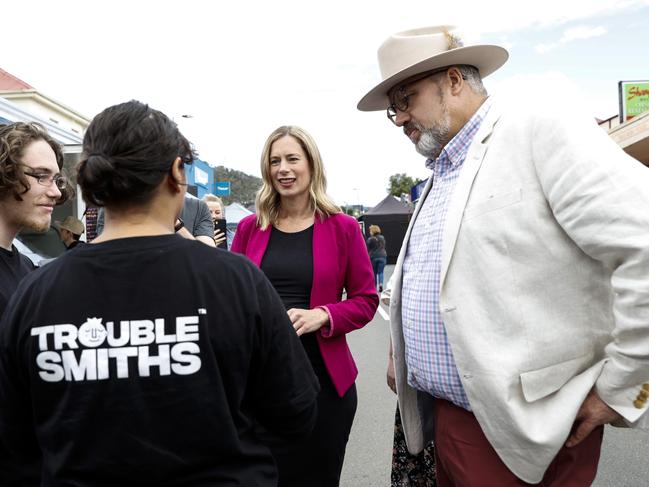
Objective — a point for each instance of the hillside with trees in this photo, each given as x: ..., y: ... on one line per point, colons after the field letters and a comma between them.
x: 243, y: 187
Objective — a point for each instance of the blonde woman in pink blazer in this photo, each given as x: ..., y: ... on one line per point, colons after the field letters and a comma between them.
x: 311, y: 252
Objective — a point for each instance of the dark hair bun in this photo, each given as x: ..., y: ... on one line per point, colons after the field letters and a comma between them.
x: 97, y: 177
x: 100, y: 162
x: 129, y: 149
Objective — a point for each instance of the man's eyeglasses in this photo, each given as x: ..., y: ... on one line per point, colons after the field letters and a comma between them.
x: 47, y: 179
x: 400, y: 98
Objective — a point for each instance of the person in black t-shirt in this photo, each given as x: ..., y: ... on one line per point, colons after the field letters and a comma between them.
x: 127, y: 362
x: 30, y: 186
x: 193, y: 223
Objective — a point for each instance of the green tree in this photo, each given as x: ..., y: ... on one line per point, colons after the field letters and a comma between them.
x: 400, y: 183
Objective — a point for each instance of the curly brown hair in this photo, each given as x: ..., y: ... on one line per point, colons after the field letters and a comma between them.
x: 14, y: 138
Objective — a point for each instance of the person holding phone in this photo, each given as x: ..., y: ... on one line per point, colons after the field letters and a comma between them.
x: 312, y: 253
x: 222, y: 235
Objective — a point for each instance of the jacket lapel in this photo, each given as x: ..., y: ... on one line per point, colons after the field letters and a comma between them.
x: 472, y: 164
x: 259, y: 244
x: 321, y: 239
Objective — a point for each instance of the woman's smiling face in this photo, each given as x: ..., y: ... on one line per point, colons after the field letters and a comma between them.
x: 290, y: 170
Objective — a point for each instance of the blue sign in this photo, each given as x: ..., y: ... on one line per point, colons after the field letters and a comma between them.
x: 416, y: 190
x: 201, y: 176
x: 222, y: 188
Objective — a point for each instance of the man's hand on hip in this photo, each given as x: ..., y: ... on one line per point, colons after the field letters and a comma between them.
x: 592, y: 413
x: 392, y: 384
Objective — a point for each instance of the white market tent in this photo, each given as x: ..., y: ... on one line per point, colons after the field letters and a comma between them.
x: 236, y: 212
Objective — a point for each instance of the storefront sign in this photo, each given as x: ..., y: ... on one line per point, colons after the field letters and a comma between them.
x: 634, y: 99
x: 201, y: 177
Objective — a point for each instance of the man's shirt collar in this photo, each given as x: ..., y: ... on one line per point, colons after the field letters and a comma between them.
x: 454, y: 153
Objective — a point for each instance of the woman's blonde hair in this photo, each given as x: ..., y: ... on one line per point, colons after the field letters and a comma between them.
x: 374, y: 229
x: 268, y: 199
x: 210, y: 198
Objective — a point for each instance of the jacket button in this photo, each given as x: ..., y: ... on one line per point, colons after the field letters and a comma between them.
x: 646, y: 387
x: 644, y: 394
x: 638, y: 404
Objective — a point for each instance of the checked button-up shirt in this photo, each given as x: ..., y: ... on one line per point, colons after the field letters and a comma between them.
x: 429, y: 358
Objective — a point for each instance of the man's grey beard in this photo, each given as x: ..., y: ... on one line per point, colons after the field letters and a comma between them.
x: 432, y: 140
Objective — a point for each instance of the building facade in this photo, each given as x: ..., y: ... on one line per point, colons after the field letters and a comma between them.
x: 20, y: 102
x: 632, y: 135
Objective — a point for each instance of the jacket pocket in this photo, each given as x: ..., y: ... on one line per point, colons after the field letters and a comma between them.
x: 540, y: 383
x: 493, y: 202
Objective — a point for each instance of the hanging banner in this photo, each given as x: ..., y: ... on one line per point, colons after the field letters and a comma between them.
x: 222, y: 188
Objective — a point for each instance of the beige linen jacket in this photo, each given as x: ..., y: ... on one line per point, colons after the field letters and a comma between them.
x: 544, y: 282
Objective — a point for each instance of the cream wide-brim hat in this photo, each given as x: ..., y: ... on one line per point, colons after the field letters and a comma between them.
x: 72, y: 224
x: 416, y: 51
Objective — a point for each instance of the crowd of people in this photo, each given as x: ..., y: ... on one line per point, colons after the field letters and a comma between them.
x: 149, y: 357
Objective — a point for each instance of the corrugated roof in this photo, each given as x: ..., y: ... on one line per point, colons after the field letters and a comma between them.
x: 9, y: 82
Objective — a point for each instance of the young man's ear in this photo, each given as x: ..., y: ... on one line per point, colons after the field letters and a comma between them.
x: 177, y: 178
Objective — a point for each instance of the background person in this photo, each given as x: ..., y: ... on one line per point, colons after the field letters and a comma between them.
x: 126, y: 362
x: 217, y: 212
x: 195, y: 222
x: 311, y: 252
x: 70, y: 231
x: 407, y: 469
x: 520, y: 308
x: 378, y: 255
x: 31, y: 185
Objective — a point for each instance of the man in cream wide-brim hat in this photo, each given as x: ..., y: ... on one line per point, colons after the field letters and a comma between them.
x: 519, y: 310
x: 70, y: 231
x: 413, y: 52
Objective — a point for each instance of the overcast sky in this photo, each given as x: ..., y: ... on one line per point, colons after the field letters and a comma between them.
x: 240, y: 69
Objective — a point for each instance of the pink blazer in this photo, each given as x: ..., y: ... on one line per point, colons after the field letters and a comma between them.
x: 340, y: 261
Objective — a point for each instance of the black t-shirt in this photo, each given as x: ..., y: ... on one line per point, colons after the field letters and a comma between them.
x: 74, y: 244
x: 149, y: 361
x: 288, y: 265
x: 13, y: 267
x: 195, y: 215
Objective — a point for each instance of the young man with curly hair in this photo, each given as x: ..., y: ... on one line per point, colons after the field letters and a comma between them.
x: 31, y: 185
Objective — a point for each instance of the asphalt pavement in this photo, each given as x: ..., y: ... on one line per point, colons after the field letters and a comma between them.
x: 625, y: 453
